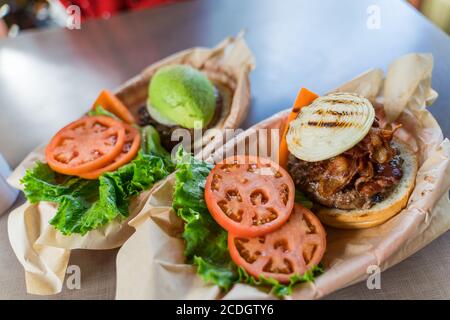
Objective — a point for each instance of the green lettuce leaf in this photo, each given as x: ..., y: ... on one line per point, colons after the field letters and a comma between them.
x: 151, y: 142
x: 100, y: 111
x: 302, y: 199
x: 278, y: 289
x: 206, y: 242
x: 85, y: 205
x: 43, y: 184
x: 223, y: 275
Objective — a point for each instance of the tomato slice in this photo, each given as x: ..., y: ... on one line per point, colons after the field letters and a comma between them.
x: 292, y: 249
x: 249, y: 196
x: 85, y: 145
x: 129, y: 151
x: 111, y: 103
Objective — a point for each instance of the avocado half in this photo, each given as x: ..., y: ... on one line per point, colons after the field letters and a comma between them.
x: 181, y: 95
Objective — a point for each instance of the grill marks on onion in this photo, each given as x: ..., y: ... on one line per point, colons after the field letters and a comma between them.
x: 331, y: 124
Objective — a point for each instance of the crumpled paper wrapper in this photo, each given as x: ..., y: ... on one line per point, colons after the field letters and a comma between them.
x: 42, y: 250
x: 150, y: 265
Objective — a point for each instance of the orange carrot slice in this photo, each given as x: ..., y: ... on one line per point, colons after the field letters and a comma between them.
x: 304, y: 98
x: 112, y: 104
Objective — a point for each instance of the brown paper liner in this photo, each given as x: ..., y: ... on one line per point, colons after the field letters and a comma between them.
x: 41, y: 249
x: 157, y: 247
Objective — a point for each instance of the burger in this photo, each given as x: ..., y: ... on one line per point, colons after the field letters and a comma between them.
x: 357, y: 172
x: 180, y: 96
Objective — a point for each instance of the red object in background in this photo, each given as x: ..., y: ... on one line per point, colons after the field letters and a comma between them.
x: 106, y: 8
x: 416, y: 3
x: 141, y: 4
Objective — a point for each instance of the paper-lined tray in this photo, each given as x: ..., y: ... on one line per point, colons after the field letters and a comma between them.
x: 151, y: 264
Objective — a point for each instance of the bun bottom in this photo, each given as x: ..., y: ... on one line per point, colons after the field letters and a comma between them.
x: 380, y: 212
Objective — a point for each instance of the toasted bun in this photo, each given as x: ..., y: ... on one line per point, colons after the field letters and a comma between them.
x: 380, y: 212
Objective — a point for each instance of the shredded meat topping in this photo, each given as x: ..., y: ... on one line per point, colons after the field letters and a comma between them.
x: 355, y: 179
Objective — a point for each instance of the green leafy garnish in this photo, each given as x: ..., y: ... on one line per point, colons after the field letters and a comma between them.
x: 206, y: 242
x: 85, y: 205
x: 100, y: 111
x: 151, y: 143
x: 302, y: 199
x: 275, y: 287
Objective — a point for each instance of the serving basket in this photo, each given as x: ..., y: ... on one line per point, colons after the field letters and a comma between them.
x: 41, y: 249
x: 151, y: 263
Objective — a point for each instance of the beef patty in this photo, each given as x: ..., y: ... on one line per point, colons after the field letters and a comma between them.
x: 355, y: 179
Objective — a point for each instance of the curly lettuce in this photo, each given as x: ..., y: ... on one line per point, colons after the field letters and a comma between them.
x: 86, y: 205
x: 206, y: 242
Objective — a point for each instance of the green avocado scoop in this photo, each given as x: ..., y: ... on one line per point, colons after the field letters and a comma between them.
x: 181, y: 95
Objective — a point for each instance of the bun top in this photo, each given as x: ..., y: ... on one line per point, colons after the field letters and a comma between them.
x: 329, y: 126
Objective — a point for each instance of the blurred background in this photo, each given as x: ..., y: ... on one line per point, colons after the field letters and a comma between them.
x: 19, y: 15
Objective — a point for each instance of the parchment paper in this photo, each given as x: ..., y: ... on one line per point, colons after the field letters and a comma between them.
x: 150, y: 265
x: 42, y: 250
